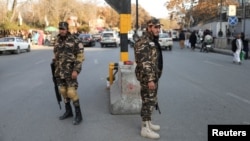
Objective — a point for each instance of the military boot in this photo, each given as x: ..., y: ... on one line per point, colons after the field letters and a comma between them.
x: 68, y: 112
x: 154, y: 126
x: 78, y: 116
x: 147, y: 132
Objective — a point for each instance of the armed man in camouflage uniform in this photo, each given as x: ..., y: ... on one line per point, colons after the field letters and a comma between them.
x: 148, y: 57
x: 69, y: 55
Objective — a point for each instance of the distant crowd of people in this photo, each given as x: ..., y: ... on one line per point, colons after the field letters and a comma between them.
x: 239, y: 45
x: 190, y: 39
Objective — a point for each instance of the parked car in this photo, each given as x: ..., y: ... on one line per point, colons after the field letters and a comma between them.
x: 174, y: 35
x: 50, y: 38
x: 165, y: 41
x: 14, y: 45
x: 110, y: 38
x: 87, y: 40
x: 97, y: 37
x: 130, y: 35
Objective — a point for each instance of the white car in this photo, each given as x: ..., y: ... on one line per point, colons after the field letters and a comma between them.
x: 130, y: 35
x: 14, y: 45
x: 110, y: 38
x: 165, y: 41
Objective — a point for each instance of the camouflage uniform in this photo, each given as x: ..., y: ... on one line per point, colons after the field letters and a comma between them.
x: 148, y: 56
x: 66, y: 53
x: 69, y: 55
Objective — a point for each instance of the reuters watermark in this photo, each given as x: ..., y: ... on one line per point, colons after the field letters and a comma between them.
x: 226, y: 132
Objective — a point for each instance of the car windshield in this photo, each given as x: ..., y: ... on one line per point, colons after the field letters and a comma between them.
x: 165, y: 35
x: 84, y: 36
x: 96, y: 35
x: 107, y: 35
x: 7, y: 39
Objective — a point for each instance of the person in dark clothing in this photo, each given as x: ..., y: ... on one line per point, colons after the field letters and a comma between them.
x: 245, y: 45
x: 192, y: 40
x: 182, y: 39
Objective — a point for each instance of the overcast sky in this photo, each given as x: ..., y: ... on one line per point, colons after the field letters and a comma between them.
x: 155, y: 8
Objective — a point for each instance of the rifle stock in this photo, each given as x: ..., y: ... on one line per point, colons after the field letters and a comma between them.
x: 58, y: 96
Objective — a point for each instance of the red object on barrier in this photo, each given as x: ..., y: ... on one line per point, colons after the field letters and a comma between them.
x: 128, y: 62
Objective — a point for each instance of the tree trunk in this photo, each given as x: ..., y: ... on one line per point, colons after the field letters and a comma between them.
x: 13, y: 10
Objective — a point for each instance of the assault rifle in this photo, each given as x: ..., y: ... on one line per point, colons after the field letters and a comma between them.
x: 58, y: 96
x: 158, y: 108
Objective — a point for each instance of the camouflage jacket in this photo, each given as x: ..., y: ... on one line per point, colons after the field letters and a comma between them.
x: 69, y: 55
x: 148, y: 57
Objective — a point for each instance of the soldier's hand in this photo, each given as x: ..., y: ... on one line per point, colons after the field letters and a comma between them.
x: 151, y: 85
x: 74, y: 75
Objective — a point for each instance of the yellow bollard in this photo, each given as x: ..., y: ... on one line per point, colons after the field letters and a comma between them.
x: 111, y: 68
x: 110, y: 78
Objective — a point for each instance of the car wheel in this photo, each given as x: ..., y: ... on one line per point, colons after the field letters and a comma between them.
x: 102, y: 45
x: 28, y: 49
x: 17, y: 51
x: 170, y: 48
x: 1, y: 52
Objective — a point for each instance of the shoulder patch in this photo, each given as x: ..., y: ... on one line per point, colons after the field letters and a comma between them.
x: 80, y: 45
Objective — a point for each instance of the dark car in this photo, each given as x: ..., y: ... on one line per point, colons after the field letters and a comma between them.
x: 87, y: 40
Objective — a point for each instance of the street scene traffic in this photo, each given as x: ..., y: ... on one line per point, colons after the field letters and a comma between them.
x: 117, y: 71
x: 196, y: 89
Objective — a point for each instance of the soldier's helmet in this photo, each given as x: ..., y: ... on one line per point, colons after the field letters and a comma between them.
x: 155, y: 22
x: 63, y: 25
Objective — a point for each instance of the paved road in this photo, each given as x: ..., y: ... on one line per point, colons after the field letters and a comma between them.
x: 196, y: 89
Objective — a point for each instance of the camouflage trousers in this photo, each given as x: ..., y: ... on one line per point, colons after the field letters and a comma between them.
x: 68, y: 89
x: 149, y: 101
x: 67, y: 82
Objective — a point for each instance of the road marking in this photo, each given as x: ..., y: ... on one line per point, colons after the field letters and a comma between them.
x: 39, y: 62
x: 212, y: 63
x: 239, y: 98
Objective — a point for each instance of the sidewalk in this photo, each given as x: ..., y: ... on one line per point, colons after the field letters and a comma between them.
x: 40, y: 47
x: 223, y: 51
x: 226, y: 51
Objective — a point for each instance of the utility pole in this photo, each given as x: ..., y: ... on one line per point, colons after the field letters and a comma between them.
x: 136, y: 17
x: 243, y: 18
x: 220, y: 33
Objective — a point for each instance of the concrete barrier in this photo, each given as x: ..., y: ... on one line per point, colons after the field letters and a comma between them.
x: 221, y: 43
x: 125, y: 92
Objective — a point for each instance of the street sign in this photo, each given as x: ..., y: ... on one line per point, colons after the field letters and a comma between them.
x: 233, y: 20
x: 232, y: 10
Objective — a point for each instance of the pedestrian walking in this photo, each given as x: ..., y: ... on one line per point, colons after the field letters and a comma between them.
x: 68, y: 57
x: 193, y: 40
x: 148, y: 56
x: 187, y: 36
x: 181, y: 39
x: 29, y: 37
x: 237, y: 46
x: 245, y: 45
